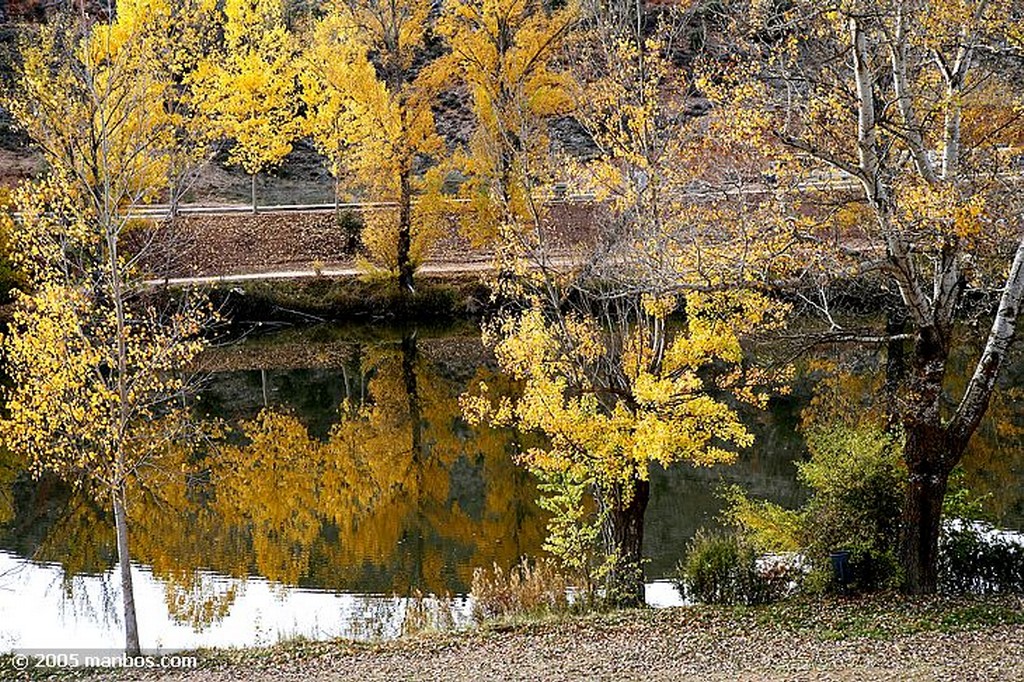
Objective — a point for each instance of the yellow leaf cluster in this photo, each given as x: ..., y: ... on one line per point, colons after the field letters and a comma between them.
x: 247, y: 92
x: 611, y: 405
x: 503, y: 53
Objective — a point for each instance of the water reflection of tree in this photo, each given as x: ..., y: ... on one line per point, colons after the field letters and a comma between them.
x: 374, y: 502
x: 400, y: 494
x: 381, y: 500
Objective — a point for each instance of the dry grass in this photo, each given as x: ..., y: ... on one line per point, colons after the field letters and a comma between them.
x: 526, y: 589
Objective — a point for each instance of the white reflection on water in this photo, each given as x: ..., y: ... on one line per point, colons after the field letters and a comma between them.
x: 42, y: 610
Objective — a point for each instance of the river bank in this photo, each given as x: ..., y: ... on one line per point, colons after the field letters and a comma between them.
x: 438, y: 298
x: 872, y: 638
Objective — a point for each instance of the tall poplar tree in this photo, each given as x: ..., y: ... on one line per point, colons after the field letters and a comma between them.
x: 504, y: 53
x: 246, y: 93
x: 388, y: 97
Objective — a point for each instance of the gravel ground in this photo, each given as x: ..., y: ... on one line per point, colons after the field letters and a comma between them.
x: 671, y: 644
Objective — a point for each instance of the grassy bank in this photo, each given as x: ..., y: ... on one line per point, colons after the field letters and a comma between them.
x: 877, y: 637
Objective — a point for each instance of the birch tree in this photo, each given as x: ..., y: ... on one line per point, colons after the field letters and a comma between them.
x: 92, y: 358
x: 905, y: 113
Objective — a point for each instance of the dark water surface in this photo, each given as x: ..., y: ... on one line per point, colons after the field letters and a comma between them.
x: 357, y: 483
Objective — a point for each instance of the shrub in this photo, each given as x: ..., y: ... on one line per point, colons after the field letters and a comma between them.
x: 351, y: 226
x: 856, y: 477
x: 975, y: 558
x: 723, y: 569
x: 526, y: 589
x: 427, y: 614
x: 379, y: 238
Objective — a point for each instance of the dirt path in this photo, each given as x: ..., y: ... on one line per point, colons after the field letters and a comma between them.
x: 466, y: 267
x: 204, y: 249
x: 427, y: 269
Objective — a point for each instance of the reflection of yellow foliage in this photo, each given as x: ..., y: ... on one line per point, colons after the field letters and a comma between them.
x: 295, y: 508
x: 381, y: 480
x: 194, y: 598
x: 844, y: 397
x: 269, y: 484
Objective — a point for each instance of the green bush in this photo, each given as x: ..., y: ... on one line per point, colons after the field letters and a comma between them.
x: 856, y: 477
x: 722, y: 569
x: 351, y: 225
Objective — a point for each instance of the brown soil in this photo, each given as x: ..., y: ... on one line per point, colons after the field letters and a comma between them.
x: 269, y: 242
x: 18, y: 166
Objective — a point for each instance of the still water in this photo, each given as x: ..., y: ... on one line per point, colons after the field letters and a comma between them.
x: 341, y: 480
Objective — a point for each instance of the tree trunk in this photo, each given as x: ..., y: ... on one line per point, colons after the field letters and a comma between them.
x: 337, y: 201
x: 928, y: 457
x: 131, y: 627
x: 929, y: 453
x: 623, y: 534
x: 895, y: 367
x: 252, y: 180
x: 405, y: 269
x: 409, y: 355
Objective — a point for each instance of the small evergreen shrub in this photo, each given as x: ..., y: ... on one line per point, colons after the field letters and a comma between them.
x: 351, y: 226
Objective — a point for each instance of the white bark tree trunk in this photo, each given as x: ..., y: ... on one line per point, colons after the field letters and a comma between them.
x: 131, y: 627
x: 976, y: 397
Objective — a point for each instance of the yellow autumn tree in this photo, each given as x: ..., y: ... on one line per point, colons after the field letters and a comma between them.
x: 326, y: 92
x: 675, y: 207
x: 386, y: 95
x: 246, y: 93
x: 180, y: 33
x: 616, y: 390
x: 94, y: 361
x: 607, y: 378
x: 503, y: 52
